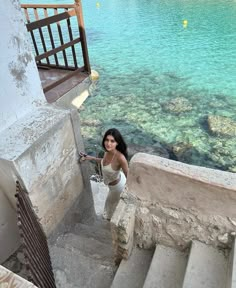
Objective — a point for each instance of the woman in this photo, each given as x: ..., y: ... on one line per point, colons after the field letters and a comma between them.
x: 113, y: 161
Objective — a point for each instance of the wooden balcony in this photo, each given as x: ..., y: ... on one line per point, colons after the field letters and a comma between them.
x: 59, y: 44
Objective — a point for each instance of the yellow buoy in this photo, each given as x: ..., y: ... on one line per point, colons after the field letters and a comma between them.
x: 98, y: 5
x: 185, y: 23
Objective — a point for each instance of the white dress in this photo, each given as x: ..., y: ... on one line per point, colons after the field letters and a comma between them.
x: 110, y: 175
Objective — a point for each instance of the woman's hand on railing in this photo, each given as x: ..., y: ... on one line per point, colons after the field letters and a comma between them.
x: 82, y: 156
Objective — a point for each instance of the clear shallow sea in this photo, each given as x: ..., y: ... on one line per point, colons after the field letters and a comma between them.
x: 146, y: 59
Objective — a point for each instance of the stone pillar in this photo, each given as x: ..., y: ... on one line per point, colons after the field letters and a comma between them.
x: 122, y: 230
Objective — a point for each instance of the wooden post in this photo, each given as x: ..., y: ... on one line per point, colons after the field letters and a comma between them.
x: 78, y: 10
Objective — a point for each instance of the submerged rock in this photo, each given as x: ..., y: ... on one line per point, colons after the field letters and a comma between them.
x: 224, y: 154
x: 180, y: 149
x: 221, y: 126
x: 91, y: 122
x: 185, y: 152
x: 158, y: 150
x: 232, y: 169
x: 177, y: 105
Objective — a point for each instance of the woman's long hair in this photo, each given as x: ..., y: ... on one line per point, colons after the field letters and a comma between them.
x: 122, y: 147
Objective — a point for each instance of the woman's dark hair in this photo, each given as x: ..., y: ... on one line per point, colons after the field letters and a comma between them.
x: 122, y: 147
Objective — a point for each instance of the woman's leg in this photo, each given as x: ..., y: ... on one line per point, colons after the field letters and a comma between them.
x: 113, y: 197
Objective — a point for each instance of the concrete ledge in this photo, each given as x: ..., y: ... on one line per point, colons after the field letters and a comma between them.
x: 156, y: 179
x: 176, y: 203
x: 19, y: 137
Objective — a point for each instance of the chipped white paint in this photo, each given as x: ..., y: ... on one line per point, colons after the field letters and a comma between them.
x: 21, y: 89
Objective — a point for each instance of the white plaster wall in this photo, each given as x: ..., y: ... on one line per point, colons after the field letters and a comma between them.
x: 176, y: 202
x: 21, y: 89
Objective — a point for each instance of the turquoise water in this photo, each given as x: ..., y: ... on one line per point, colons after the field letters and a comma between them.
x: 146, y: 59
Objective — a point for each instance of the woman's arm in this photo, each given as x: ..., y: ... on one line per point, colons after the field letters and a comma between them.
x: 124, y: 165
x: 92, y: 158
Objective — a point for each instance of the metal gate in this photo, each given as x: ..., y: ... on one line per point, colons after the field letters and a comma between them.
x: 34, y: 242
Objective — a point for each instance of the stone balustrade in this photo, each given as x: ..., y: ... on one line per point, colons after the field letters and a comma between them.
x: 176, y: 203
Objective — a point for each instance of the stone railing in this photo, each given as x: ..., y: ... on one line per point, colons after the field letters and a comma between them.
x: 10, y: 280
x: 173, y: 204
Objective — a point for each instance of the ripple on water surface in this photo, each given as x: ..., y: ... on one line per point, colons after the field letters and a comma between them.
x: 162, y: 80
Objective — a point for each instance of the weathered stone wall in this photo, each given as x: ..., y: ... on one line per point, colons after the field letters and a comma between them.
x: 41, y: 150
x: 122, y: 229
x: 176, y: 203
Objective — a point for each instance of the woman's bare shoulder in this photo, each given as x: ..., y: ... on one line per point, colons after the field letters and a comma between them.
x: 120, y: 157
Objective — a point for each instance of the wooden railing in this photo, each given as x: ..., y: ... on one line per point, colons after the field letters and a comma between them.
x: 58, y: 37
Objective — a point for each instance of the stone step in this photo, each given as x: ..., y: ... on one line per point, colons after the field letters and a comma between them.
x: 132, y: 272
x: 87, y: 246
x: 232, y: 267
x: 207, y: 267
x: 100, y: 230
x: 167, y: 268
x: 74, y: 270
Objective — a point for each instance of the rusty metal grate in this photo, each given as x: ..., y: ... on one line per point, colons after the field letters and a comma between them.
x: 34, y: 242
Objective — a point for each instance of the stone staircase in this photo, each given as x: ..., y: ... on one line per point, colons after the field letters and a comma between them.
x: 83, y: 256
x: 202, y: 267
